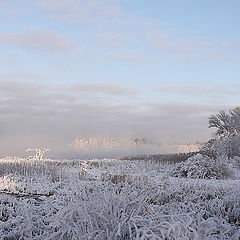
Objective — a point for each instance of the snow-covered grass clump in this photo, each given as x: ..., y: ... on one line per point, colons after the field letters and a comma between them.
x: 200, y: 166
x: 113, y: 200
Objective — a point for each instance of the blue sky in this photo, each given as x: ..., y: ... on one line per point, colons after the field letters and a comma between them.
x: 116, y: 67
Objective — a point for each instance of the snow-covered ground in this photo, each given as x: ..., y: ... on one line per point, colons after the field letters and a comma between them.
x: 112, y: 199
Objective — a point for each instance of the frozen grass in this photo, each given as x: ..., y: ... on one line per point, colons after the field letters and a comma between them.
x: 162, y: 158
x: 113, y: 200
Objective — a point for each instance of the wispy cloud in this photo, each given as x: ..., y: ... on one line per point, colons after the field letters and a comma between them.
x: 189, y: 48
x: 8, y: 61
x: 21, y: 76
x: 166, y: 41
x: 114, y: 28
x: 104, y: 88
x: 37, y: 40
x: 182, y: 110
x: 115, y: 39
x: 135, y: 57
x: 197, y: 89
x: 92, y: 12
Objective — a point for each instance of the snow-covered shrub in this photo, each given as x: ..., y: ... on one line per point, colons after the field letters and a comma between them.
x: 227, y: 147
x: 227, y: 207
x: 116, y: 178
x: 39, y: 153
x: 200, y: 166
x: 125, y: 178
x: 236, y: 162
x: 9, y: 183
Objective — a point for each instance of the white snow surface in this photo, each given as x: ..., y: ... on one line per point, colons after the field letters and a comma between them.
x: 109, y: 199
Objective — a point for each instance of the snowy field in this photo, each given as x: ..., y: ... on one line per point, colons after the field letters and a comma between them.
x: 116, y: 200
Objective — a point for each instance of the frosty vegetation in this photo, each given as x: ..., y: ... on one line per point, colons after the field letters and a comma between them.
x: 226, y: 139
x: 39, y: 153
x: 107, y: 143
x: 170, y: 197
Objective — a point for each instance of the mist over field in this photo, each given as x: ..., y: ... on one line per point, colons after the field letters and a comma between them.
x: 90, y: 148
x: 36, y: 115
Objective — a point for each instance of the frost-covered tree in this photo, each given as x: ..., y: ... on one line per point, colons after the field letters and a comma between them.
x: 226, y: 140
x: 39, y: 153
x: 226, y: 123
x: 235, y: 115
x: 222, y: 121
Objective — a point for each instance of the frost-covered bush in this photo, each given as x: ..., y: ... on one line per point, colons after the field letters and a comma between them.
x: 202, y: 167
x: 227, y: 147
x: 236, y: 162
x: 39, y: 153
x: 125, y: 178
x: 228, y: 207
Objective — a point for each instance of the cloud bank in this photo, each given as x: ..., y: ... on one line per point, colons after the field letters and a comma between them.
x: 36, y: 114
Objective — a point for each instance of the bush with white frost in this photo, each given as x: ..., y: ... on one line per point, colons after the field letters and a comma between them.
x: 39, y: 153
x: 200, y: 166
